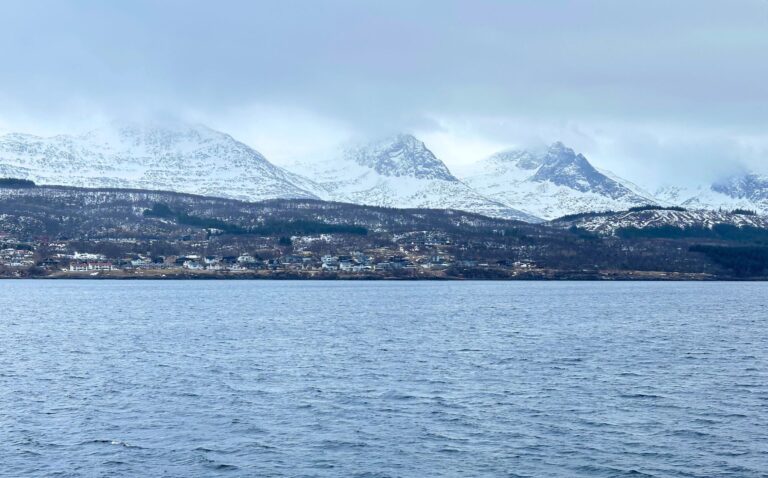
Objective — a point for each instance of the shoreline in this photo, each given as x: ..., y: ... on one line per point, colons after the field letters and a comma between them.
x: 546, y: 276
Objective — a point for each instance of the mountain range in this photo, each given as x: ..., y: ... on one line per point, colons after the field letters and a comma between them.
x: 398, y: 172
x: 553, y: 183
x: 401, y: 172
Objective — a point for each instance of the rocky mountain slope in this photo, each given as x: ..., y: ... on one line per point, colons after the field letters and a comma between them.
x: 402, y: 172
x: 399, y: 172
x: 182, y: 158
x: 552, y: 183
x: 749, y: 186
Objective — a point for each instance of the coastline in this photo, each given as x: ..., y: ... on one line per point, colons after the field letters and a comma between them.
x: 544, y: 275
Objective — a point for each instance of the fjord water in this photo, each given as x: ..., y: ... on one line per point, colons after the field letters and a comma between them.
x: 264, y: 378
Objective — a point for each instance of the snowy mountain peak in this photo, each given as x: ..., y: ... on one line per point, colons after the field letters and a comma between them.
x: 159, y: 138
x: 558, y: 148
x: 399, y: 171
x: 174, y: 157
x: 562, y: 166
x: 552, y: 183
x: 549, y: 163
x: 751, y: 186
x: 747, y: 190
x: 401, y: 155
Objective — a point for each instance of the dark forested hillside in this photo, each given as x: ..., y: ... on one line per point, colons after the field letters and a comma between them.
x: 61, y: 231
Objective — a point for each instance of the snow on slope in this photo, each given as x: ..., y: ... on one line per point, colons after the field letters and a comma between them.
x: 553, y: 183
x: 743, y: 191
x: 182, y: 158
x: 700, y: 197
x: 398, y: 172
x: 609, y: 223
x: 401, y: 172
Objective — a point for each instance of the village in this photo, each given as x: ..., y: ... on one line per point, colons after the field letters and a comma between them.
x: 424, y: 255
x: 61, y: 234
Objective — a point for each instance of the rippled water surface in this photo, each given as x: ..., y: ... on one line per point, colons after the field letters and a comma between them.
x: 192, y: 379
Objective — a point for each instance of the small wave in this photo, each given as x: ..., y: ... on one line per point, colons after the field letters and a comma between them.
x: 338, y: 444
x: 594, y: 470
x: 397, y: 396
x: 188, y: 395
x: 449, y: 450
x: 690, y: 434
x: 641, y: 396
x: 30, y: 453
x: 110, y: 442
x: 221, y: 466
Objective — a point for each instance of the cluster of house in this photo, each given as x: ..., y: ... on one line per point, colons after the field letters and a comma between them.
x: 214, y: 263
x: 304, y: 261
x: 17, y: 258
x: 413, y: 251
x: 354, y: 262
x: 87, y: 262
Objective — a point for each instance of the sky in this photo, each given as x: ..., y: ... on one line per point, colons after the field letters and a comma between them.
x: 654, y: 90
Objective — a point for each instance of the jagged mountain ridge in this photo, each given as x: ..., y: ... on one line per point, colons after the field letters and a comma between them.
x: 563, y: 167
x: 553, y: 183
x: 399, y: 171
x: 400, y: 156
x: 182, y: 158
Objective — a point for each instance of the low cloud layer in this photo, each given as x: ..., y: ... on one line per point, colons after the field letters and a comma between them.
x: 645, y: 88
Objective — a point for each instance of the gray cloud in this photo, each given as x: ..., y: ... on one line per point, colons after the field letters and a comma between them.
x: 381, y: 66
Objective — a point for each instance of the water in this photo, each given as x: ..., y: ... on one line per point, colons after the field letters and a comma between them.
x: 192, y: 379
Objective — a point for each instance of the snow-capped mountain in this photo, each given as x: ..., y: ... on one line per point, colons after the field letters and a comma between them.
x: 182, y: 158
x: 699, y: 197
x: 750, y: 187
x: 401, y: 156
x: 742, y: 191
x: 399, y: 171
x: 553, y: 183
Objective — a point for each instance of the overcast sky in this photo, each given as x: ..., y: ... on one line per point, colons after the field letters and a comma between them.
x: 644, y: 88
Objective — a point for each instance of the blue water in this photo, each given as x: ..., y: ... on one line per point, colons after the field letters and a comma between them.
x: 373, y: 379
